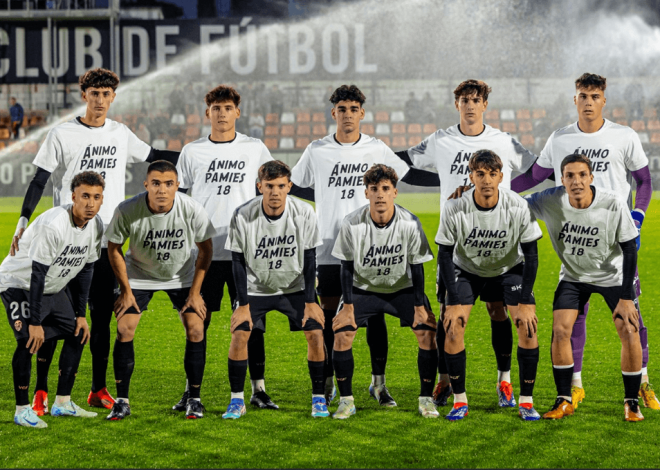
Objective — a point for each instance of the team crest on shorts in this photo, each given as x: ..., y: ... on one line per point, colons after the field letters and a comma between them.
x: 18, y: 325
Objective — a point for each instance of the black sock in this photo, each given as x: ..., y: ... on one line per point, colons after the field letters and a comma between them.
x: 563, y: 379
x: 328, y: 342
x: 316, y: 374
x: 440, y: 342
x: 99, y: 346
x: 456, y: 364
x: 21, y: 365
x: 256, y: 355
x: 528, y: 360
x: 631, y: 384
x: 194, y: 361
x: 427, y: 363
x: 344, y: 365
x: 502, y: 339
x: 377, y: 341
x: 123, y: 357
x: 69, y: 362
x: 237, y: 372
x: 44, y: 358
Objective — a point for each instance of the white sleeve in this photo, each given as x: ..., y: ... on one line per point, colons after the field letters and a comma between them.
x: 44, y: 245
x: 235, y: 234
x: 423, y: 155
x: 530, y: 227
x: 522, y: 159
x: 545, y: 159
x: 303, y: 172
x: 635, y: 158
x: 390, y: 159
x: 447, y: 233
x: 625, y: 229
x: 265, y: 155
x: 137, y: 150
x: 184, y: 170
x: 419, y: 250
x: 311, y: 231
x: 344, y: 248
x: 118, y: 230
x: 535, y: 203
x: 202, y: 223
x: 96, y: 253
x: 51, y: 153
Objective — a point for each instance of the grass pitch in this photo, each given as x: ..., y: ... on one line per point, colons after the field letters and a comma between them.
x: 490, y: 437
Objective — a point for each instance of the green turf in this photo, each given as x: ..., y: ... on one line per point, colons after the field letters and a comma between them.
x: 490, y: 437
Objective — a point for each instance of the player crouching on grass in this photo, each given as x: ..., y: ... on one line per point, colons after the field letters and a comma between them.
x: 164, y: 226
x: 382, y: 248
x: 273, y: 240
x: 487, y: 243
x: 45, y: 287
x: 594, y: 235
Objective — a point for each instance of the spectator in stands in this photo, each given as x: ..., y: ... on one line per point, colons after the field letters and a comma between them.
x: 429, y: 108
x: 143, y: 133
x: 276, y: 100
x: 413, y: 109
x: 16, y: 112
x: 256, y: 123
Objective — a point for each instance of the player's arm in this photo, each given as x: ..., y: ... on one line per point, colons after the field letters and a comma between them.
x: 346, y: 316
x: 37, y: 285
x: 535, y: 175
x: 625, y: 309
x: 526, y: 312
x: 168, y: 155
x: 80, y: 286
x: 32, y: 196
x: 642, y: 198
x: 183, y: 190
x: 239, y: 271
x: 415, y: 176
x: 302, y: 193
x: 312, y: 309
x: 422, y: 314
x: 204, y: 259
x: 126, y: 299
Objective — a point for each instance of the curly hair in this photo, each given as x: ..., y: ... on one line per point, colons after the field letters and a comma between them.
x: 348, y: 93
x: 89, y: 178
x: 470, y: 87
x: 379, y: 172
x: 591, y: 80
x: 98, y: 78
x: 222, y: 93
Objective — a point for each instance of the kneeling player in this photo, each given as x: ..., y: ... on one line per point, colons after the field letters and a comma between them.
x: 45, y: 288
x: 163, y: 226
x: 273, y: 240
x: 594, y: 235
x: 382, y: 248
x: 483, y: 239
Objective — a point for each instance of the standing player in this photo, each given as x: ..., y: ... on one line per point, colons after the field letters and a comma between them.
x: 89, y: 142
x: 164, y: 227
x: 617, y: 155
x: 44, y: 288
x: 448, y: 152
x: 273, y: 240
x: 594, y: 236
x: 382, y: 248
x: 487, y: 243
x: 334, y: 167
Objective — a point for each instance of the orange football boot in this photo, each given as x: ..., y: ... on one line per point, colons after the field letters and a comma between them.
x: 631, y: 411
x: 101, y: 399
x: 40, y: 403
x: 560, y: 409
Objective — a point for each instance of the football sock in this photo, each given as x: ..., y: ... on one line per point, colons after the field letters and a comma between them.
x: 194, y: 361
x: 258, y: 385
x: 427, y: 365
x: 377, y: 380
x: 563, y: 376
x: 59, y: 399
x: 440, y: 342
x: 237, y: 372
x: 503, y: 376
x: 645, y: 375
x: 20, y: 408
x: 377, y: 341
x: 44, y: 358
x: 579, y: 338
x: 256, y: 355
x: 576, y: 381
x: 631, y: 383
x: 123, y: 357
x: 460, y: 398
x: 456, y: 364
x: 528, y: 360
x: 69, y: 362
x: 344, y: 365
x: 502, y: 340
x: 239, y: 395
x: 316, y: 374
x: 21, y: 365
x: 522, y: 399
x: 328, y: 341
x: 125, y: 400
x: 99, y: 346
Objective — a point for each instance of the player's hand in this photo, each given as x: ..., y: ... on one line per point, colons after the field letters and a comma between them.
x: 14, y: 242
x: 313, y: 311
x: 125, y: 301
x: 36, y: 338
x: 345, y: 317
x: 424, y: 315
x: 454, y: 315
x: 81, y: 324
x: 638, y: 218
x: 525, y: 314
x: 196, y: 302
x: 459, y: 192
x: 626, y: 311
x: 240, y: 316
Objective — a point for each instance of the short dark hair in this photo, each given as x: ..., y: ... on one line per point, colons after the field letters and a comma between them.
x: 591, y: 80
x: 222, y: 93
x: 576, y: 158
x: 98, y: 78
x: 472, y: 86
x: 90, y: 178
x: 162, y: 166
x: 348, y: 93
x: 485, y: 159
x: 379, y: 172
x: 274, y: 169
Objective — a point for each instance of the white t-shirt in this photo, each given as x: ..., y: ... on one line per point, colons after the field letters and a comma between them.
x: 73, y: 147
x: 586, y: 240
x: 382, y: 255
x: 274, y: 250
x: 221, y: 177
x: 52, y: 239
x: 161, y: 252
x: 614, y: 151
x: 335, y: 172
x: 447, y: 152
x: 487, y: 243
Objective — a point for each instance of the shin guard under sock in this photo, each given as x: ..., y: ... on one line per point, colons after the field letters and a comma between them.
x: 344, y: 366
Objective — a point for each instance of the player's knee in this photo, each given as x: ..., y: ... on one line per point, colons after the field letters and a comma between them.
x: 314, y: 339
x: 195, y: 333
x: 426, y: 339
x: 344, y: 340
x: 561, y: 333
x: 239, y: 339
x: 456, y: 336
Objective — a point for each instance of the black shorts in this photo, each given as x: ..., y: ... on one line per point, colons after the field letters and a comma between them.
x: 57, y: 316
x: 399, y: 304
x: 329, y: 280
x: 503, y: 288
x: 291, y: 305
x: 143, y: 297
x: 104, y: 289
x: 213, y: 287
x: 575, y: 295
